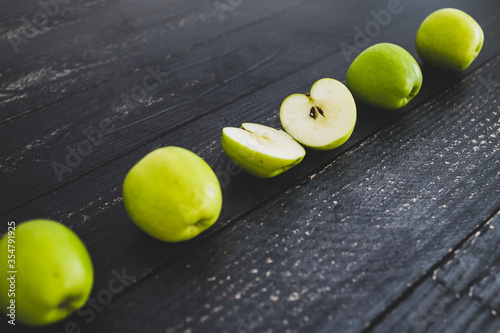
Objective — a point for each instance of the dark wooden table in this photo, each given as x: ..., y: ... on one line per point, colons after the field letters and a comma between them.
x: 395, y: 231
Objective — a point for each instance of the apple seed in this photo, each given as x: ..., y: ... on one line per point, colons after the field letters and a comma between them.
x: 313, y: 113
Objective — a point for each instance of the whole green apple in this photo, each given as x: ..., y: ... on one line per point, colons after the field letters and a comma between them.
x: 385, y: 76
x: 449, y: 39
x: 261, y: 150
x: 52, y: 272
x: 322, y: 119
x: 172, y: 194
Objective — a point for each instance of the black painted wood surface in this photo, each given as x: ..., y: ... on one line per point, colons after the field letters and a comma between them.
x: 393, y: 231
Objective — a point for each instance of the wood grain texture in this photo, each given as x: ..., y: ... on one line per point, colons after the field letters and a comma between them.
x: 85, y: 43
x: 460, y: 295
x: 339, y: 247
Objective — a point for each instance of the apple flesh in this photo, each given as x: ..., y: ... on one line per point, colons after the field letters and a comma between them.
x: 54, y: 272
x: 172, y: 194
x: 449, y: 39
x: 385, y: 76
x: 261, y: 150
x: 323, y: 119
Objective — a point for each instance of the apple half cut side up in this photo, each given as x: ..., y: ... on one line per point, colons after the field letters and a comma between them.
x: 322, y: 119
x: 261, y: 150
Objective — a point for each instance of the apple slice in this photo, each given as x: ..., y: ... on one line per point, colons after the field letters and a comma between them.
x: 322, y: 119
x: 261, y: 150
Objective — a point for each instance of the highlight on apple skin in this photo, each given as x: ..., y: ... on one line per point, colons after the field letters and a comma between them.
x: 260, y: 150
x: 385, y: 76
x: 449, y: 39
x: 322, y: 119
x: 172, y: 194
x: 54, y: 273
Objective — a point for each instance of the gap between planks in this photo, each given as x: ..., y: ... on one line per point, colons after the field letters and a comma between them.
x: 427, y: 275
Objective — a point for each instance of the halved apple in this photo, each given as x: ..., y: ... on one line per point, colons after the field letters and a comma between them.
x: 261, y: 150
x: 322, y: 119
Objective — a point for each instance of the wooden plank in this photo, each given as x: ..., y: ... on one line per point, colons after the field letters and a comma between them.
x: 460, y: 295
x: 330, y: 253
x: 236, y: 69
x: 85, y: 43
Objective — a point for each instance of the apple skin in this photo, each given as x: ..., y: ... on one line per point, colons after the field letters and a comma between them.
x: 258, y: 163
x: 172, y: 194
x: 449, y: 39
x: 54, y: 272
x: 324, y: 92
x: 385, y: 76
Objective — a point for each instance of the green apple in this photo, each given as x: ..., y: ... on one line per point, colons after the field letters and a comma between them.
x: 322, y: 119
x: 449, y: 39
x: 385, y: 76
x: 261, y: 150
x: 172, y: 194
x: 54, y: 273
